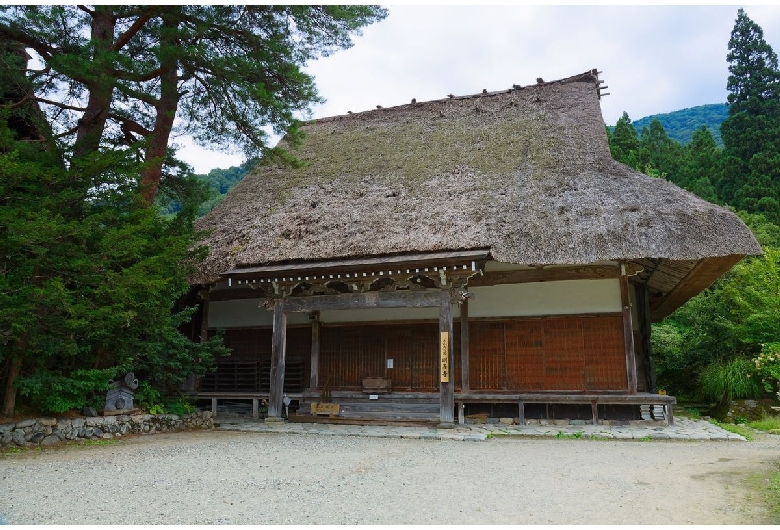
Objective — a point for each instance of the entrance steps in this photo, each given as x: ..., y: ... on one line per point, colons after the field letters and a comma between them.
x: 357, y: 407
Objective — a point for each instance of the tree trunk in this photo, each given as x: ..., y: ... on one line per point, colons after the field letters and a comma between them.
x: 157, y: 145
x: 93, y: 122
x: 9, y: 404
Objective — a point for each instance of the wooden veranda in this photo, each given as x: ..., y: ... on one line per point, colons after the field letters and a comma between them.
x: 462, y: 361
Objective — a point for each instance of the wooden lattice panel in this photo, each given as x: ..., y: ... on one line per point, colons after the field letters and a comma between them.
x: 525, y: 357
x: 606, y: 358
x: 486, y: 359
x: 425, y: 357
x: 399, y: 349
x: 248, y: 344
x: 564, y: 366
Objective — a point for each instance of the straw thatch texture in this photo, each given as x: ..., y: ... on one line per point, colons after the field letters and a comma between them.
x: 526, y: 173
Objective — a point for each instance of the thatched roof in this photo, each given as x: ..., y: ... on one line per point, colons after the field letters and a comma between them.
x: 524, y: 172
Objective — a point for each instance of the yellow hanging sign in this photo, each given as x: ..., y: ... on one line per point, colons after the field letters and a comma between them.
x: 445, y: 356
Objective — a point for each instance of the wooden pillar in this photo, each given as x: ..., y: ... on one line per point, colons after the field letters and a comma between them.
x: 446, y: 385
x: 314, y: 379
x: 647, y: 329
x: 464, y: 347
x: 628, y: 331
x: 278, y: 346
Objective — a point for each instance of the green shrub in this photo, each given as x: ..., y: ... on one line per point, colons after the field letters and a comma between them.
x: 55, y: 393
x: 723, y: 382
x: 770, y: 425
x: 148, y: 397
x: 180, y: 407
x: 768, y: 366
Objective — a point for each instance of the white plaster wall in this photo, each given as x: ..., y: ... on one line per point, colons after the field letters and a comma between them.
x: 546, y: 298
x: 246, y: 314
x: 525, y: 299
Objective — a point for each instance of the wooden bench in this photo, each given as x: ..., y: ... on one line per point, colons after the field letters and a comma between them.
x: 376, y: 385
x: 254, y: 396
x: 593, y: 399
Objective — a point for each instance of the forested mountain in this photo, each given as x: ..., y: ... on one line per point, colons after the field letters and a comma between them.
x: 680, y: 124
x: 219, y: 182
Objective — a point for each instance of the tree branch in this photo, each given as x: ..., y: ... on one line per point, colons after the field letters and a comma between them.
x: 44, y: 50
x: 139, y: 78
x: 70, y: 131
x: 130, y: 125
x: 136, y: 94
x: 58, y: 104
x: 131, y: 32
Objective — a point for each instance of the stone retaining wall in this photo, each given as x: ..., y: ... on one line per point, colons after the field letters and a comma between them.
x: 46, y: 431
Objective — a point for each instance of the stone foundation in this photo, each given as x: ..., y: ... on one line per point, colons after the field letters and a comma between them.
x: 477, y: 419
x: 47, y: 431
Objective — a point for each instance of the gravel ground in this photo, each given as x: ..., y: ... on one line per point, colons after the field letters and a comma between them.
x: 217, y: 477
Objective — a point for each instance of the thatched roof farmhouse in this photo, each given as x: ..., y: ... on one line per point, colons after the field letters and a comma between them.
x: 519, y: 183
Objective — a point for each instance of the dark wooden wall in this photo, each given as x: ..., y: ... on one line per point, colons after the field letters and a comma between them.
x: 554, y: 353
x: 548, y: 353
x: 248, y: 367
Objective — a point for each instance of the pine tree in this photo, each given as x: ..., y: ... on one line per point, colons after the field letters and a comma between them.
x: 658, y: 152
x: 122, y: 74
x: 700, y: 166
x: 624, y: 142
x: 750, y: 177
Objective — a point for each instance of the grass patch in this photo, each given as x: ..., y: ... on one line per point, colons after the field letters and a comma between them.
x: 694, y: 414
x: 572, y: 436
x: 92, y: 443
x: 770, y: 425
x: 15, y: 450
x: 768, y: 486
x: 742, y: 430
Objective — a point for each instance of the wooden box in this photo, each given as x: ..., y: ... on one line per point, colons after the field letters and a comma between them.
x: 376, y: 385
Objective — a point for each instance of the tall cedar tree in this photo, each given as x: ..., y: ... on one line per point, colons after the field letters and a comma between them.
x: 751, y: 135
x: 123, y: 74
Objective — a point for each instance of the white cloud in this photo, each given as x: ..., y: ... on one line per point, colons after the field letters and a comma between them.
x: 654, y: 59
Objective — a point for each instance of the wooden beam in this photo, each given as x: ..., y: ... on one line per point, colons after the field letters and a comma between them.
x: 446, y: 389
x: 628, y: 333
x: 314, y: 380
x: 375, y: 263
x: 584, y: 272
x: 278, y: 346
x: 373, y: 299
x: 464, y: 346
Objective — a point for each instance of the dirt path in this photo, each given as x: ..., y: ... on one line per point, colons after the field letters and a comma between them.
x: 248, y: 478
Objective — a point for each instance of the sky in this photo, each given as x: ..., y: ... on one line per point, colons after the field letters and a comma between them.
x: 654, y: 59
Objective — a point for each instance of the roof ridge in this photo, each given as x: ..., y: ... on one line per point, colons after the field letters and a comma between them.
x: 590, y: 75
